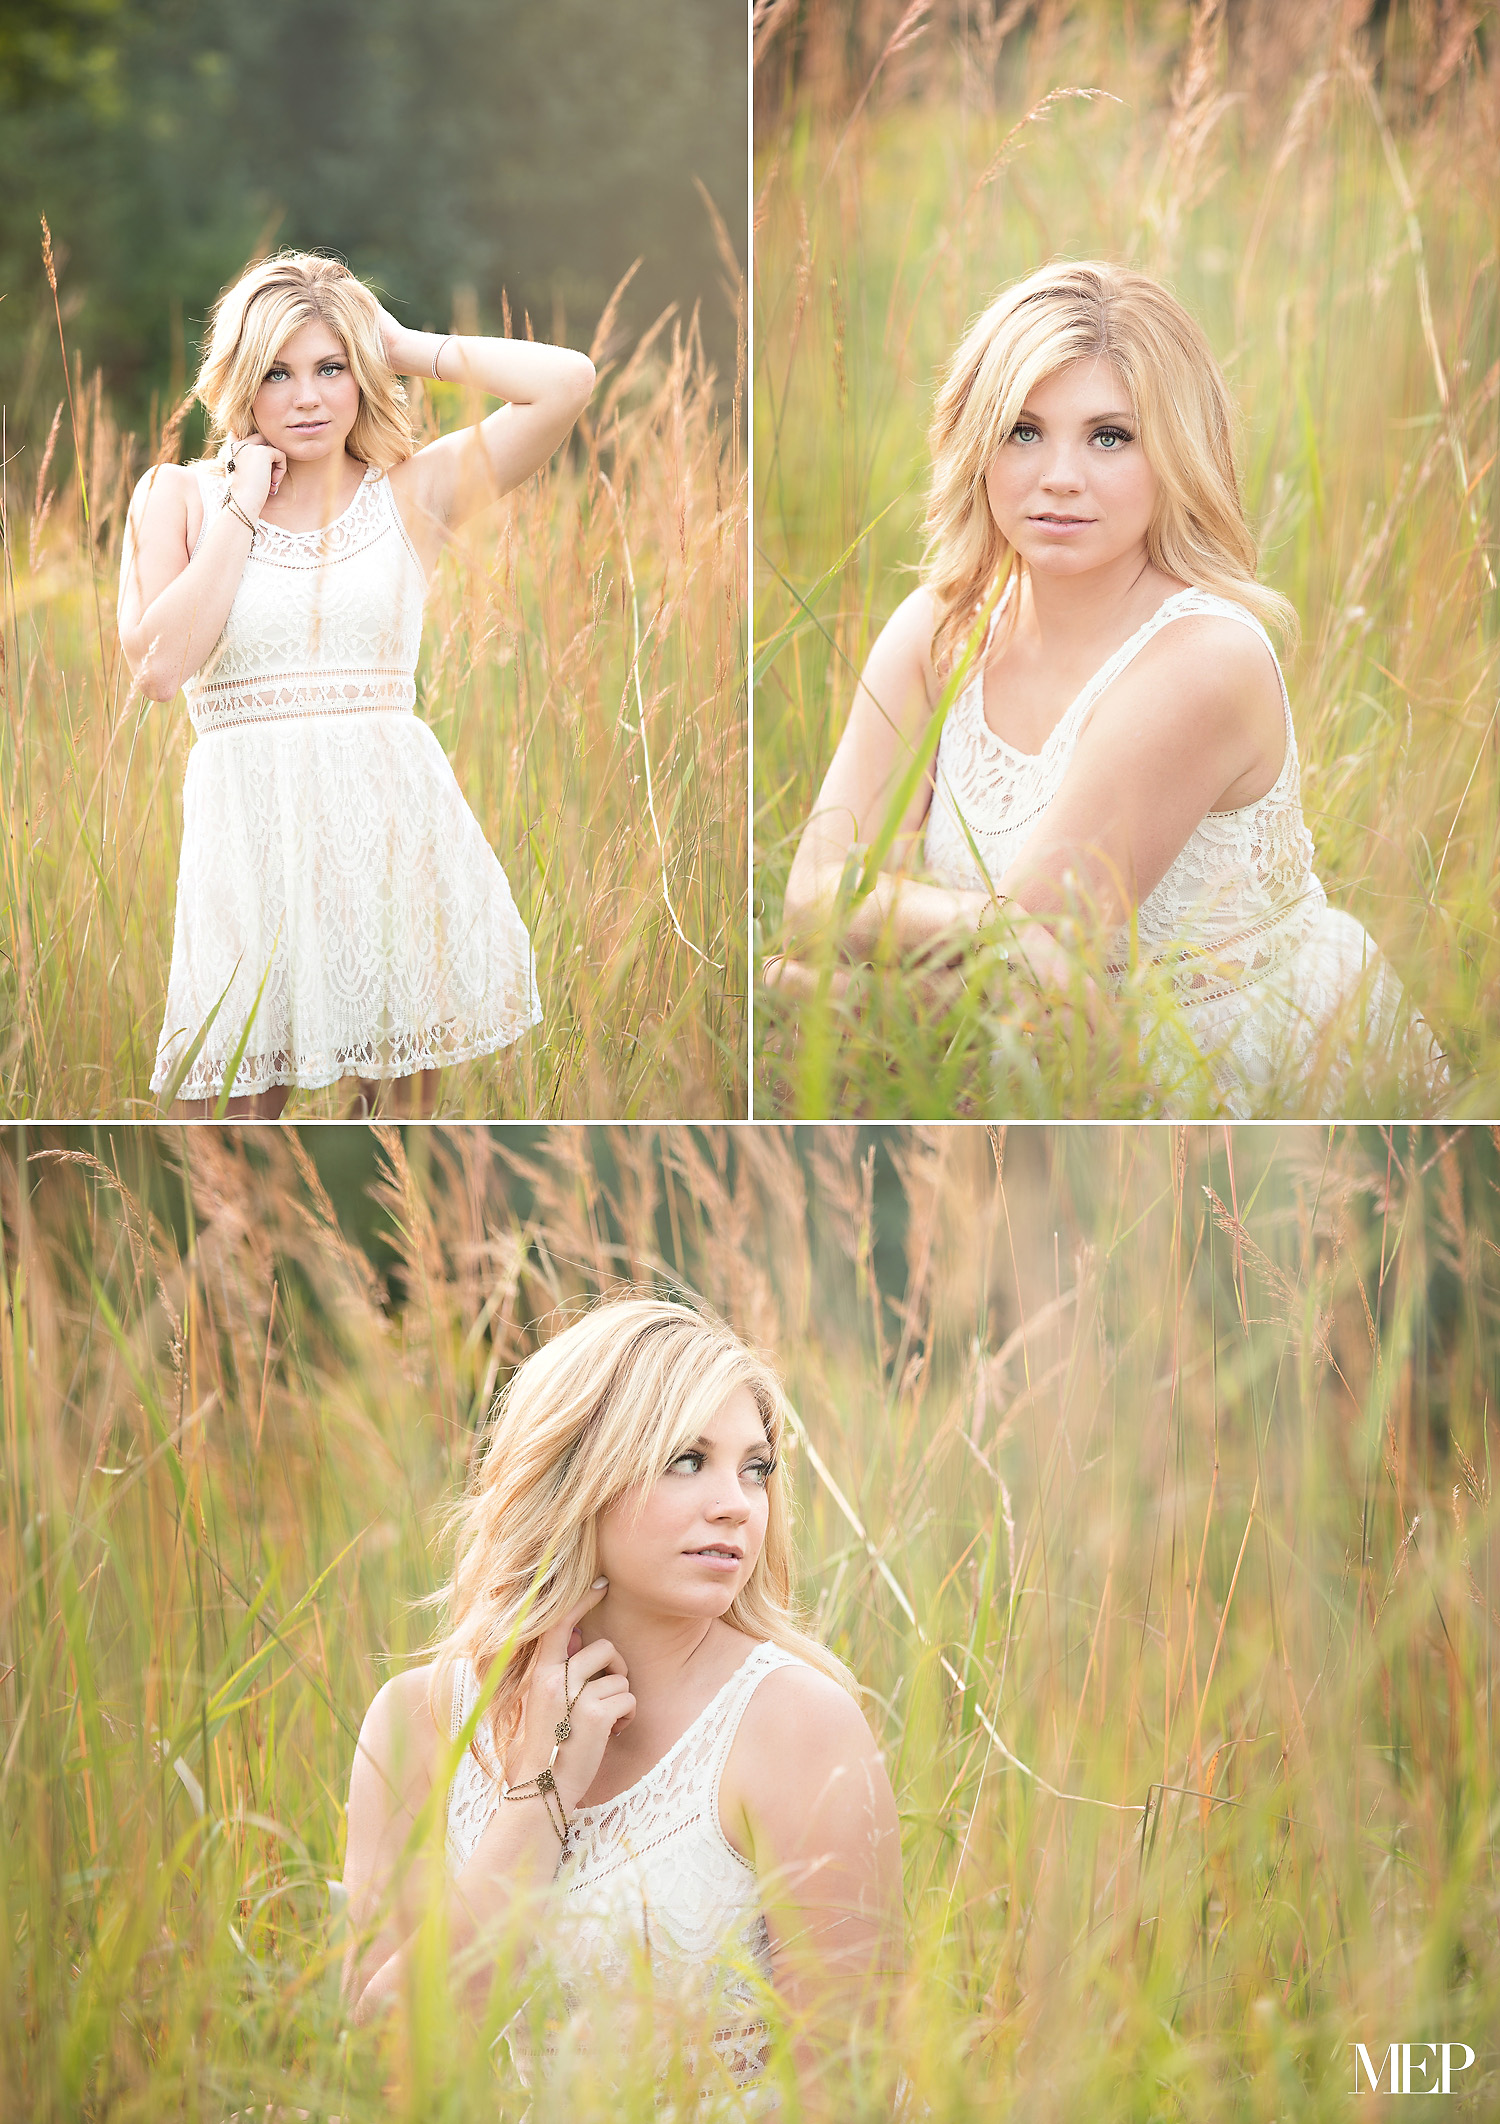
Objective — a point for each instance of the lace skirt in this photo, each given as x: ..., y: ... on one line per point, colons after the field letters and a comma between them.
x: 337, y: 894
x: 1329, y: 1013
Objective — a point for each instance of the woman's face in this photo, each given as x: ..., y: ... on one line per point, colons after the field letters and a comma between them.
x: 309, y: 400
x: 1070, y: 487
x: 686, y: 1543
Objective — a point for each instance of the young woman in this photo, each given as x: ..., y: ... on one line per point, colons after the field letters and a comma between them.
x: 1119, y: 763
x: 336, y: 896
x: 660, y: 1774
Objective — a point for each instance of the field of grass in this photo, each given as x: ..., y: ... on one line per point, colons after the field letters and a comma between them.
x: 582, y: 665
x: 1324, y: 202
x: 1145, y: 1480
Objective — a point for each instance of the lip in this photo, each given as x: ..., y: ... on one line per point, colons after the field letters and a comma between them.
x: 1056, y: 521
x: 306, y: 427
x: 721, y: 1556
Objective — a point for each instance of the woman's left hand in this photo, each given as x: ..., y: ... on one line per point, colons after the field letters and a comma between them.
x: 391, y: 335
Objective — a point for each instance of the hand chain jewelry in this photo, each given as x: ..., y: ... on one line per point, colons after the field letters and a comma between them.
x: 234, y: 509
x: 992, y: 918
x: 437, y: 351
x: 544, y: 1786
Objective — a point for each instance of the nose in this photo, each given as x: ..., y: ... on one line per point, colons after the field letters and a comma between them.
x: 1062, y: 471
x: 308, y: 393
x: 731, y: 1507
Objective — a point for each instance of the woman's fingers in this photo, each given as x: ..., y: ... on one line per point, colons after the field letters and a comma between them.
x: 593, y: 1660
x: 552, y: 1645
x: 794, y: 977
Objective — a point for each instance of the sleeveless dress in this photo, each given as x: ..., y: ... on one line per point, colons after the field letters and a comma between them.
x: 1267, y: 981
x: 649, y: 1876
x: 327, y: 851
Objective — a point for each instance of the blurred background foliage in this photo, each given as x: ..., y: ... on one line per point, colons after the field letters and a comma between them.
x: 526, y: 151
x: 1144, y: 1477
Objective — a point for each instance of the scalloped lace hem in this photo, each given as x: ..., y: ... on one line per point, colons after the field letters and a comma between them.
x: 404, y: 1055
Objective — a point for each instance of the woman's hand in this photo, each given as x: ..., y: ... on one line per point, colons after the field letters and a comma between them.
x: 256, y: 469
x: 391, y: 336
x: 595, y: 1678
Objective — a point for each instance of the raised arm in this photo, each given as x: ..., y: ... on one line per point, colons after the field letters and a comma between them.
x: 806, y: 1786
x: 545, y: 389
x: 512, y: 1866
x: 1195, y: 724
x: 173, y: 604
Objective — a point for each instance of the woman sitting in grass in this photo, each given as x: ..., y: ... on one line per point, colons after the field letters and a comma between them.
x: 1114, y: 789
x: 659, y: 1792
x: 339, y: 911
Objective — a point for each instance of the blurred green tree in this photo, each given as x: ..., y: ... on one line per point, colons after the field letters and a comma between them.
x: 530, y: 148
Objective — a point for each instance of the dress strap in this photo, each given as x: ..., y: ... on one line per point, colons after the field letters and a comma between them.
x: 463, y: 1697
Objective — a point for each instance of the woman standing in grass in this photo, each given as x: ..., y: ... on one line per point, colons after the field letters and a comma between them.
x: 659, y: 1777
x: 1116, y: 762
x: 339, y: 912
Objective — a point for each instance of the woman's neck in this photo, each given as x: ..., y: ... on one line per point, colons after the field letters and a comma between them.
x: 658, y: 1649
x: 314, y: 491
x: 1061, y: 611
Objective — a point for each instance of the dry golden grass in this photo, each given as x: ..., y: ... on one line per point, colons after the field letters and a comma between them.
x: 1322, y: 197
x: 582, y: 665
x: 1145, y: 1480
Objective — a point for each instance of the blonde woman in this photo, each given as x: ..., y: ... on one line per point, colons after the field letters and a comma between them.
x: 661, y: 1775
x: 1119, y: 758
x: 339, y: 911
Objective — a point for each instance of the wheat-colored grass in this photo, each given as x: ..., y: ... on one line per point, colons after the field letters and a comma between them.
x: 582, y: 665
x: 1323, y: 199
x: 1145, y: 1479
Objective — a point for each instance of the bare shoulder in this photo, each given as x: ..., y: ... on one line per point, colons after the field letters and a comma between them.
x: 907, y: 636
x: 400, y: 1738
x: 164, y: 490
x: 1220, y: 662
x: 798, y: 1712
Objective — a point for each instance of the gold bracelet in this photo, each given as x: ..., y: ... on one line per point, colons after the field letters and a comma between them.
x: 544, y: 1785
x: 992, y: 912
x: 234, y: 509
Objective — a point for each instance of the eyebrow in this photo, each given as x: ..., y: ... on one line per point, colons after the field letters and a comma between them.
x: 1092, y: 420
x: 701, y: 1443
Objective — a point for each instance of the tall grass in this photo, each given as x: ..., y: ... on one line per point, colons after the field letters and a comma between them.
x: 1146, y: 1480
x: 582, y: 665
x: 1322, y: 198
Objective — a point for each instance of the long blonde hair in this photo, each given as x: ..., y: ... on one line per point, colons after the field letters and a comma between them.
x: 600, y: 1409
x: 254, y: 319
x: 1183, y: 412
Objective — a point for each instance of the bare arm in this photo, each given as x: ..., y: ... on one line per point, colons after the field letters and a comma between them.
x: 545, y: 389
x: 893, y: 703
x: 1194, y: 724
x: 395, y: 1769
x: 806, y: 1785
x: 173, y: 604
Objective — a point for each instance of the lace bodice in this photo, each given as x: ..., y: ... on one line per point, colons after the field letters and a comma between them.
x: 1239, y: 897
x: 308, y: 633
x: 652, y: 1873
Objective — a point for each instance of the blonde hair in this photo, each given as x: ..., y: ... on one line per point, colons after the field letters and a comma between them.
x: 1184, y: 417
x: 599, y: 1410
x: 253, y: 320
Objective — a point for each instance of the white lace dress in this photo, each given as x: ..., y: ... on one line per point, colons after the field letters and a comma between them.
x: 330, y: 865
x: 1270, y: 986
x: 649, y: 1879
